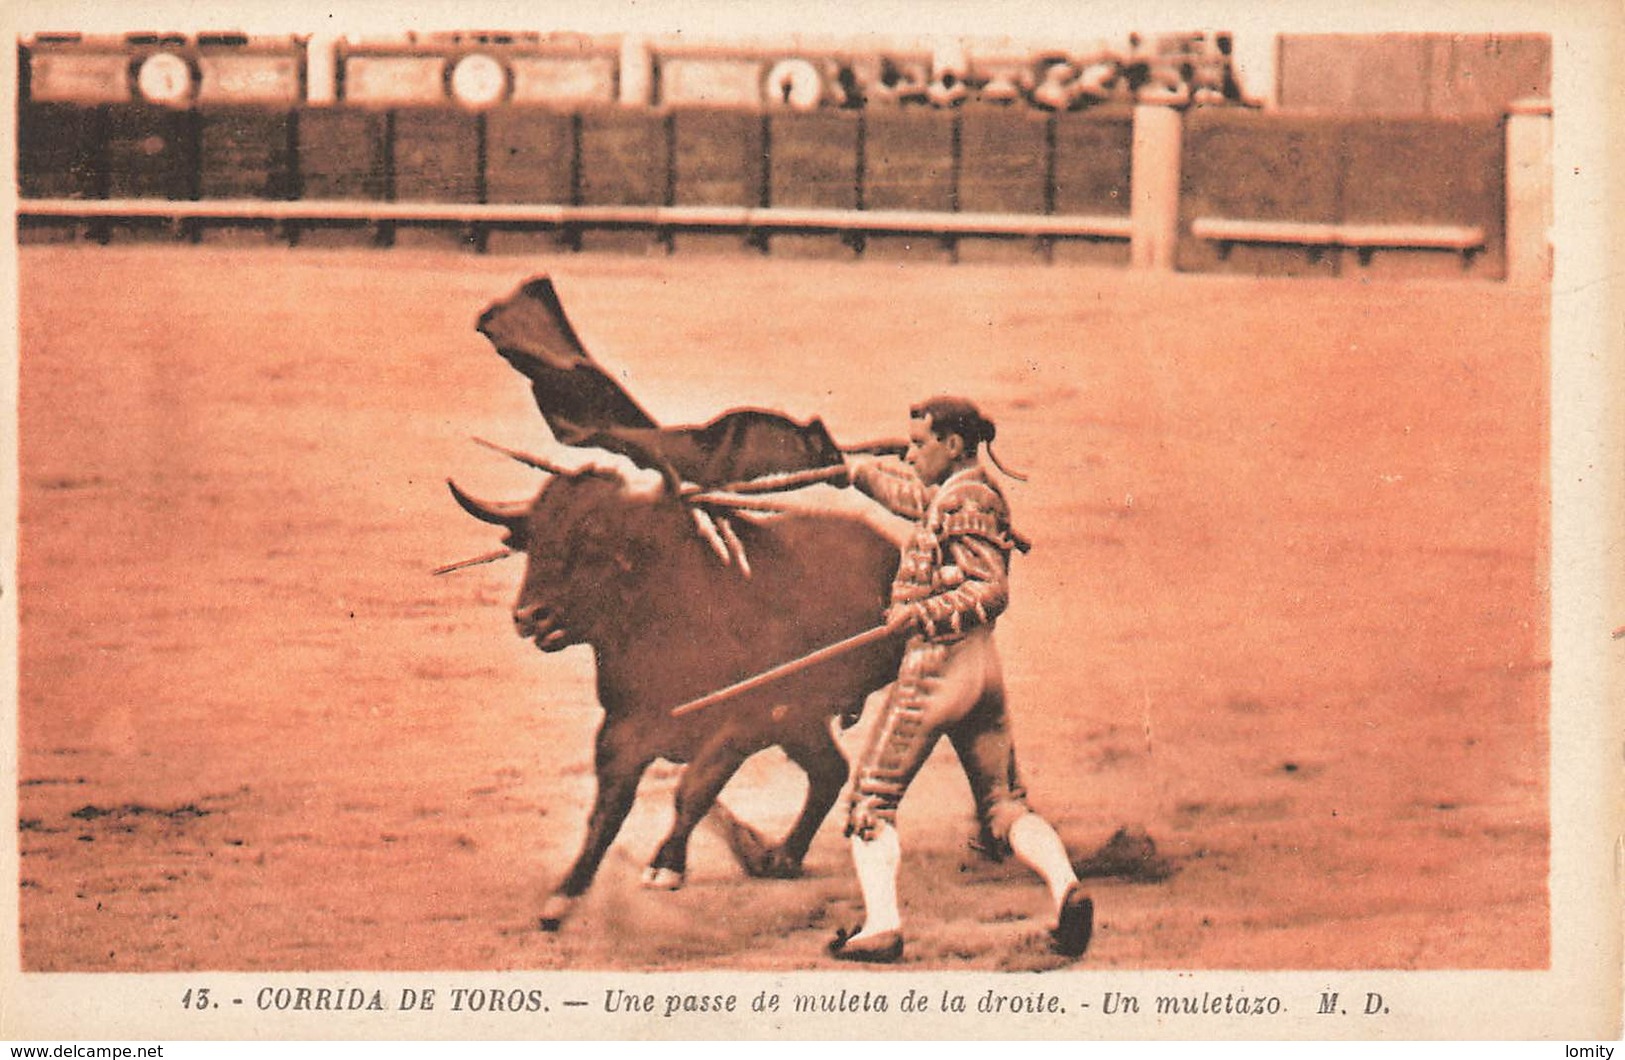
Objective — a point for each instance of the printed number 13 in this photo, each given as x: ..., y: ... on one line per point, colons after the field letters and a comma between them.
x: 199, y: 1000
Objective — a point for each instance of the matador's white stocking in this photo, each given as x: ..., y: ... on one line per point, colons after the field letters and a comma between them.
x: 1036, y: 844
x: 876, y: 862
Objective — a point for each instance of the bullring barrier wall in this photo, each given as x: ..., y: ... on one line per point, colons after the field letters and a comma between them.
x: 1256, y: 191
x: 1340, y: 174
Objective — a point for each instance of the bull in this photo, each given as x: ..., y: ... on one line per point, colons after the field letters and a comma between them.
x: 678, y: 595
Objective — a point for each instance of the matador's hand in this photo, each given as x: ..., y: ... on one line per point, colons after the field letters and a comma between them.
x: 902, y: 618
x: 850, y: 462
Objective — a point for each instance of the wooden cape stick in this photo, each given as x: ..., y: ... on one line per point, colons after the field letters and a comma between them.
x: 794, y: 666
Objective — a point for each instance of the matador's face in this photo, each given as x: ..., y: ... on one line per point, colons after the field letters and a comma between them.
x: 931, y: 457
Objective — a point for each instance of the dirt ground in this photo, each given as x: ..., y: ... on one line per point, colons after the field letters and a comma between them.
x: 1286, y: 613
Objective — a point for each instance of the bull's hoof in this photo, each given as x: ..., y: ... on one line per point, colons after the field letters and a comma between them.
x: 759, y: 858
x: 662, y: 879
x: 554, y: 911
x: 774, y: 864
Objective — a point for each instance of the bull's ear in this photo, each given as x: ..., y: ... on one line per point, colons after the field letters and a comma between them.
x: 508, y: 514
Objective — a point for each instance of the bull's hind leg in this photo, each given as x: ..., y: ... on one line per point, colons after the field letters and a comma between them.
x: 618, y: 775
x: 815, y: 752
x: 826, y: 770
x: 702, y: 781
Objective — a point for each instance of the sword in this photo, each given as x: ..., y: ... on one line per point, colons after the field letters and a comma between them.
x: 785, y: 480
x: 783, y: 670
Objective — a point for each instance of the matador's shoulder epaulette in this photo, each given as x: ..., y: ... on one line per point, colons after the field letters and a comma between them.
x: 969, y: 505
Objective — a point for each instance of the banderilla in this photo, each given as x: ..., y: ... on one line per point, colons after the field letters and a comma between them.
x: 774, y: 483
x: 489, y: 557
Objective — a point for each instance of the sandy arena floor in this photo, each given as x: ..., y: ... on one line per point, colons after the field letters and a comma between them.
x: 1286, y: 613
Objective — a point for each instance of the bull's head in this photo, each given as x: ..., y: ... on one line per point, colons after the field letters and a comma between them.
x: 591, y: 538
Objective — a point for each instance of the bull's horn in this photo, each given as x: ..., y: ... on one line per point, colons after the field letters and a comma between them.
x: 525, y: 458
x: 510, y: 514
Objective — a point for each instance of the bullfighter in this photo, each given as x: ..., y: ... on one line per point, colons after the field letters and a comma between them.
x: 950, y: 588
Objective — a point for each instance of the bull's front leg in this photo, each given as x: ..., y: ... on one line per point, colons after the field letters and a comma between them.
x: 618, y: 769
x: 703, y: 779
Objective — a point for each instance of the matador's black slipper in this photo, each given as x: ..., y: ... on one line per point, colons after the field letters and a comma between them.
x: 1075, y: 924
x: 883, y: 947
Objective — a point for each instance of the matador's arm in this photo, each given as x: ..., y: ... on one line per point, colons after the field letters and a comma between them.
x: 891, y: 482
x: 971, y: 585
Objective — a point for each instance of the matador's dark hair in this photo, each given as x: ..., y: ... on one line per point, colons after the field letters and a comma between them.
x: 955, y: 415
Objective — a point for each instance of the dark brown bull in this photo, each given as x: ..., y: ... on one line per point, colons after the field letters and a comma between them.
x: 633, y: 573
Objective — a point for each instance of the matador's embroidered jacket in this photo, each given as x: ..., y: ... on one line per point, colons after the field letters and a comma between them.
x: 954, y: 570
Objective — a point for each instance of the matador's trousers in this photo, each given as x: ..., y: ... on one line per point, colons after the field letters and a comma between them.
x: 957, y: 689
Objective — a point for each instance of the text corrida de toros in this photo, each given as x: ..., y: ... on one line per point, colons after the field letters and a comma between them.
x: 355, y: 999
